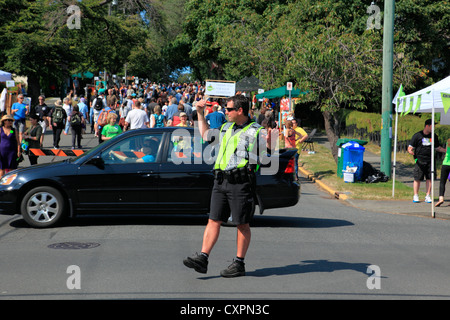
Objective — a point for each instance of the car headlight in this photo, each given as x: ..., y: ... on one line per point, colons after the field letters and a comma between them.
x: 8, y: 179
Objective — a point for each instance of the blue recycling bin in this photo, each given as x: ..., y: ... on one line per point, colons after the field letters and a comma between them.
x: 340, y: 143
x: 353, y: 156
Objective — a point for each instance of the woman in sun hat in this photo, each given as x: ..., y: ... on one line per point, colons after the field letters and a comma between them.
x: 9, y: 146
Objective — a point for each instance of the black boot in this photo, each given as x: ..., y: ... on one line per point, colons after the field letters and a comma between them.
x: 198, y: 262
x: 236, y: 269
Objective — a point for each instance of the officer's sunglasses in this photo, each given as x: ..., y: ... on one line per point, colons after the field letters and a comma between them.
x: 231, y: 109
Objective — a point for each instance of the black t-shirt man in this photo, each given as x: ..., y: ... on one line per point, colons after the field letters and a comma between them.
x: 421, y: 146
x: 42, y: 110
x: 421, y: 142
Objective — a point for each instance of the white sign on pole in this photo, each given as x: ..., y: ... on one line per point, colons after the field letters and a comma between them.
x: 289, y: 88
x: 259, y: 92
x: 10, y: 83
x: 220, y: 88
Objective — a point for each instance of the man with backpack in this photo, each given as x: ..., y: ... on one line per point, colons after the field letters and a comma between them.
x: 98, y: 104
x: 58, y: 116
x: 76, y: 120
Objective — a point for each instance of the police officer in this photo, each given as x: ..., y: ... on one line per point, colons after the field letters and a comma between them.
x: 234, y: 183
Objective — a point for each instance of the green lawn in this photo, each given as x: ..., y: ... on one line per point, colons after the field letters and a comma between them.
x: 324, y: 167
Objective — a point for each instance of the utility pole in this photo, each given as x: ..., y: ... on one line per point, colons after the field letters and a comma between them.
x: 126, y: 76
x: 388, y: 60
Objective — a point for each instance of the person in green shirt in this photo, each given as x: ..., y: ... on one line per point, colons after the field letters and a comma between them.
x: 112, y: 129
x: 445, y: 171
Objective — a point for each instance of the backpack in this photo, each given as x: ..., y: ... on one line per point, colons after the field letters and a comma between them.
x: 75, y: 120
x: 58, y: 115
x: 103, y: 118
x: 98, y: 103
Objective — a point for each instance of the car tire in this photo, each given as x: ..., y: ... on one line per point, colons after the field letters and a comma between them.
x: 42, y: 207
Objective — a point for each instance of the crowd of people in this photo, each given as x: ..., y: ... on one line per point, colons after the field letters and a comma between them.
x: 108, y: 112
x: 148, y: 106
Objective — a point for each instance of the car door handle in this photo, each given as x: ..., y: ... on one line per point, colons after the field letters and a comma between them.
x: 146, y: 174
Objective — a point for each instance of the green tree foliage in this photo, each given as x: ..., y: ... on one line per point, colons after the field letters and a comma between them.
x: 36, y: 40
x: 423, y: 26
x: 323, y: 46
x: 320, y: 45
x: 207, y: 28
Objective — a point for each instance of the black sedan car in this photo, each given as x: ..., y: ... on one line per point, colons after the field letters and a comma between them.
x: 146, y: 171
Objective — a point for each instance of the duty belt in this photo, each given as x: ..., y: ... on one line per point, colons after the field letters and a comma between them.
x: 234, y: 176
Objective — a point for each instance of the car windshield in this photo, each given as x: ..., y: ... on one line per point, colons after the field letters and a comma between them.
x: 185, y: 147
x: 74, y: 159
x: 93, y: 150
x: 134, y: 149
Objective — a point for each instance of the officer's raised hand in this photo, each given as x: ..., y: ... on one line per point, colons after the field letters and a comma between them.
x: 202, y: 124
x: 200, y: 106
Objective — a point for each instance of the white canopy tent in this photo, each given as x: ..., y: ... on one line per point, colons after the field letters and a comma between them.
x: 432, y: 99
x: 5, y: 76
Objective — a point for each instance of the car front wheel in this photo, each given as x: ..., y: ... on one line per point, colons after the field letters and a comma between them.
x: 42, y: 207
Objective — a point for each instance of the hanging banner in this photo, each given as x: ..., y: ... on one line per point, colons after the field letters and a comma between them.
x: 445, y: 101
x: 284, y: 116
x: 419, y: 100
x: 284, y: 104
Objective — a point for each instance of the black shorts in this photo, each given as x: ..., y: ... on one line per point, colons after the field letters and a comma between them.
x: 232, y: 199
x: 422, y: 170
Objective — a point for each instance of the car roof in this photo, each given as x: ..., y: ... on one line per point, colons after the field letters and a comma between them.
x: 163, y: 129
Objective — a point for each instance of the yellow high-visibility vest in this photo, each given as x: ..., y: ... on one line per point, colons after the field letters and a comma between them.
x: 234, y: 150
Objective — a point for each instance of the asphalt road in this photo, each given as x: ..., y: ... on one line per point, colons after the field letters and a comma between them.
x: 322, y: 248
x: 319, y: 249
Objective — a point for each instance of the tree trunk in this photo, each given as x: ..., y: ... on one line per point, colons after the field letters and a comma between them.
x: 332, y: 128
x: 34, y: 90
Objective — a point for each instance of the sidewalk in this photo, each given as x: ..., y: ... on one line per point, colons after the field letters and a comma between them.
x: 403, y: 174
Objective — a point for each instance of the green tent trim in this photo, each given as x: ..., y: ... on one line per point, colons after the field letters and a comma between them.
x: 280, y: 93
x: 85, y: 74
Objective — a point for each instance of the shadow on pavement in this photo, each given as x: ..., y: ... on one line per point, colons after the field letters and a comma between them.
x: 191, y: 220
x: 308, y: 266
x: 297, y: 222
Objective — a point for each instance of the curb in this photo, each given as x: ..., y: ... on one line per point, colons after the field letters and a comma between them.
x: 310, y: 176
x: 341, y: 196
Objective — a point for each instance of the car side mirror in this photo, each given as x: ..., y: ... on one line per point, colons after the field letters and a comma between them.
x: 97, y: 161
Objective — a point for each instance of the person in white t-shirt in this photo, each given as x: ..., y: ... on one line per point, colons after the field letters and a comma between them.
x: 67, y: 106
x: 136, y: 118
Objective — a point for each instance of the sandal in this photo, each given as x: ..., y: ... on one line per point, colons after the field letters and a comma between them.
x: 438, y: 204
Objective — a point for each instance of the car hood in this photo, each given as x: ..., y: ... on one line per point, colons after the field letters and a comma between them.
x: 41, y: 166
